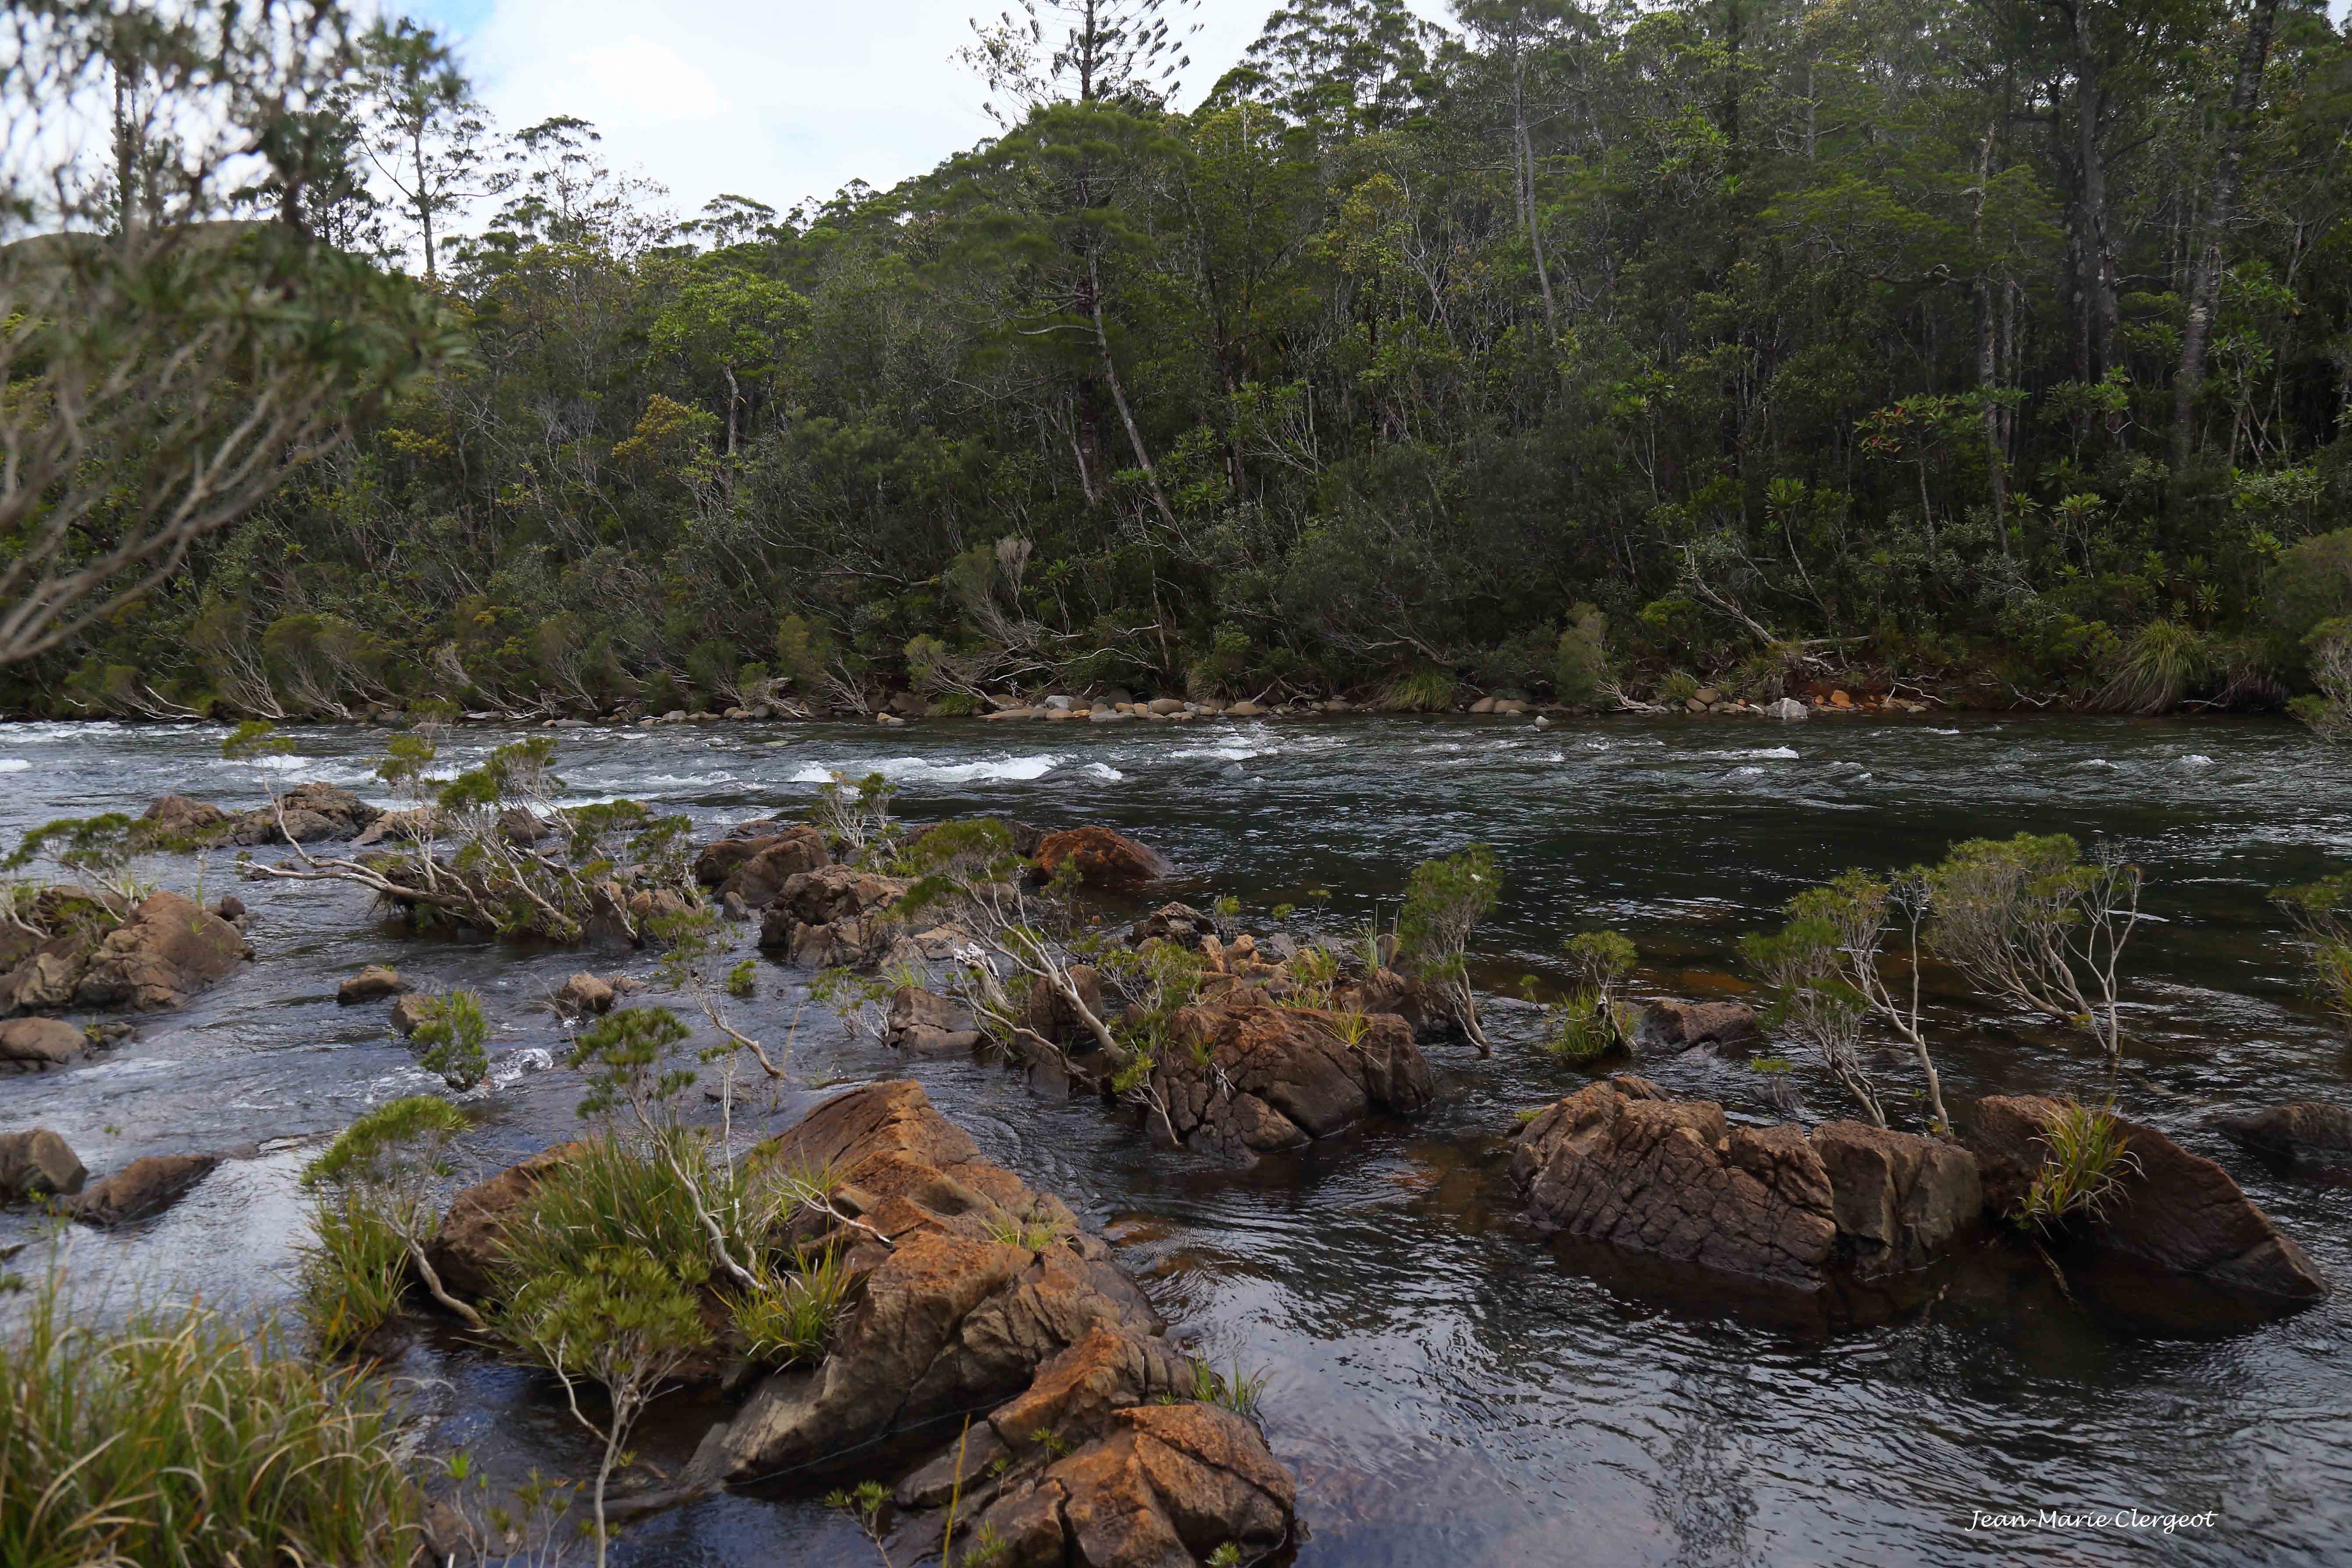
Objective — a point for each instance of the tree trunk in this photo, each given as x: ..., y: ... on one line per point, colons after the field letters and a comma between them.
x: 1525, y: 155
x: 2205, y: 281
x: 1988, y: 355
x: 2102, y: 312
x: 1118, y: 396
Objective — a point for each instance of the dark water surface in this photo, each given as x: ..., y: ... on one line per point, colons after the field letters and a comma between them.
x: 1450, y: 1389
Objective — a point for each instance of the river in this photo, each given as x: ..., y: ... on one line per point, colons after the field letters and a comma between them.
x: 1449, y: 1388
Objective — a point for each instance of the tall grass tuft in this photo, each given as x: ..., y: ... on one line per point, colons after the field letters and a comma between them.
x: 2082, y: 1171
x: 1425, y: 690
x: 620, y: 1192
x: 182, y: 1440
x: 350, y: 1275
x: 791, y: 1319
x: 2156, y: 668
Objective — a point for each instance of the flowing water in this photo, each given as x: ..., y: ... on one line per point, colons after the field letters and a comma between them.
x: 1448, y: 1387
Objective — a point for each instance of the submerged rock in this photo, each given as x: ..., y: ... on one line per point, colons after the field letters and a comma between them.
x: 2307, y: 1135
x: 1106, y: 860
x: 370, y: 985
x: 2178, y: 1211
x: 37, y: 1164
x: 583, y: 996
x: 1244, y: 1075
x: 144, y: 1188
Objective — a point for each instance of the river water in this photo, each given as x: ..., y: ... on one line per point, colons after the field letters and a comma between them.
x: 1449, y: 1388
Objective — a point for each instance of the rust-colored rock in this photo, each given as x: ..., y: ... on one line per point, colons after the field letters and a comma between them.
x: 38, y: 1163
x: 923, y: 1020
x: 1899, y: 1200
x: 1103, y: 859
x: 1244, y: 1075
x: 2178, y: 1211
x: 465, y: 1251
x: 143, y: 1188
x: 167, y: 951
x: 372, y: 983
x: 179, y: 817
x: 38, y: 1043
x: 833, y: 915
x: 583, y: 996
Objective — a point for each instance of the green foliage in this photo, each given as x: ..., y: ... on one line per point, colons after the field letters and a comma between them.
x: 1425, y: 690
x: 1581, y: 664
x: 1030, y: 1233
x: 791, y: 1317
x: 453, y: 1037
x: 1443, y: 902
x: 178, y: 1438
x: 352, y: 1272
x: 2156, y: 669
x: 744, y: 980
x: 628, y: 1056
x: 2322, y: 911
x: 1592, y: 1020
x: 1241, y: 1392
x: 2083, y: 1170
x: 2029, y: 920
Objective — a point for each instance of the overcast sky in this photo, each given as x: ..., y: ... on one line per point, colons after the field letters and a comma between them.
x: 771, y: 102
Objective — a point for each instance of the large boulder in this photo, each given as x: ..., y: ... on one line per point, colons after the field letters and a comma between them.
x: 1244, y: 1075
x: 465, y: 1251
x: 2305, y: 1134
x: 757, y: 878
x: 37, y: 1043
x: 2177, y: 1210
x: 37, y: 1164
x: 312, y: 813
x: 1110, y: 862
x: 1179, y: 923
x: 833, y: 915
x: 583, y: 996
x: 922, y: 1020
x: 1667, y: 1028
x: 372, y: 983
x: 1900, y: 1200
x: 178, y: 817
x: 979, y: 1293
x: 168, y: 951
x: 1617, y: 1162
x: 43, y: 980
x: 143, y: 1188
x: 715, y: 860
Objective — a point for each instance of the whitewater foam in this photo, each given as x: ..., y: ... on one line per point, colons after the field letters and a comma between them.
x: 1007, y: 769
x: 14, y: 765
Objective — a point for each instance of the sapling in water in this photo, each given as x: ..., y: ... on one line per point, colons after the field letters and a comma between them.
x: 1442, y: 904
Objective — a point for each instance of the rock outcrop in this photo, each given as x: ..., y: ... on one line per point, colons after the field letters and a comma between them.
x: 37, y: 1164
x: 314, y: 812
x: 833, y: 915
x: 923, y: 1020
x: 183, y: 818
x: 1105, y: 860
x: 2305, y: 1134
x: 2177, y: 1210
x: 1669, y: 1027
x: 980, y: 1294
x: 1617, y: 1162
x: 465, y: 1251
x: 583, y: 996
x: 1244, y: 1075
x: 144, y: 1188
x: 757, y: 878
x: 166, y: 951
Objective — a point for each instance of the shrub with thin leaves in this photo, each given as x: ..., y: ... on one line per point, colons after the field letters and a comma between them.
x: 351, y: 1273
x: 2082, y: 1170
x: 2322, y: 911
x: 452, y: 1040
x: 2030, y: 921
x: 1443, y: 902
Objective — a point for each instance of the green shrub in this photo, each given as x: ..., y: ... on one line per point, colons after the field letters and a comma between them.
x: 2322, y: 911
x: 744, y: 980
x: 1580, y: 667
x: 452, y: 1039
x: 792, y: 1317
x: 2156, y: 669
x: 2311, y: 582
x: 1443, y: 902
x: 1428, y: 689
x: 182, y: 1439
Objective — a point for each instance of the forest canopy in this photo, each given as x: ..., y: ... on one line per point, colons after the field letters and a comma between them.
x: 1999, y: 345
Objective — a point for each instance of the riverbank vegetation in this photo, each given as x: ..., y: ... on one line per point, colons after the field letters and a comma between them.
x: 1560, y: 350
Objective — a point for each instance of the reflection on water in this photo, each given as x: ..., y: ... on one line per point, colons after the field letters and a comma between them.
x: 1448, y: 1387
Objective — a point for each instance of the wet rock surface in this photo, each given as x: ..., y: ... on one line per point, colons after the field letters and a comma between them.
x: 312, y: 813
x: 2304, y: 1135
x: 1102, y: 859
x: 982, y: 1294
x: 1667, y: 1028
x: 1248, y: 1075
x: 141, y: 1189
x: 38, y: 1163
x: 32, y: 1044
x: 2177, y: 1212
x: 372, y: 983
x: 833, y: 915
x: 158, y: 956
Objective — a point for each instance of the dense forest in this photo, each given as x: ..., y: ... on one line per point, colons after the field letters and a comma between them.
x: 2000, y: 347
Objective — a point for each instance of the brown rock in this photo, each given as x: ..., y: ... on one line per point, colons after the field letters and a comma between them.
x: 1899, y: 1199
x: 465, y: 1251
x: 2305, y: 1134
x: 370, y: 985
x: 519, y: 826
x: 314, y: 812
x: 1671, y: 1026
x: 2179, y: 1211
x: 923, y: 1020
x: 583, y: 996
x: 412, y: 1010
x: 143, y: 1188
x: 179, y: 817
x: 44, y: 980
x: 1617, y: 1161
x: 1246, y: 1075
x: 834, y: 915
x: 1103, y: 859
x: 168, y: 951
x: 1179, y: 923
x: 760, y: 877
x: 1386, y: 990
x: 37, y: 1164
x: 39, y: 1042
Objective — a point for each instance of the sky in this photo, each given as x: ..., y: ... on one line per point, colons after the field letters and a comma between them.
x: 773, y: 101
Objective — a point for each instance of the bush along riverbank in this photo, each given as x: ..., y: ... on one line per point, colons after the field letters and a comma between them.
x: 888, y: 1319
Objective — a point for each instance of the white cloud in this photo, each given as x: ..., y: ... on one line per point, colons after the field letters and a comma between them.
x: 771, y: 102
